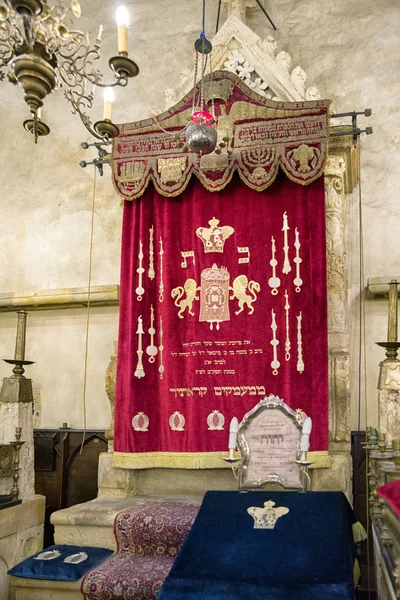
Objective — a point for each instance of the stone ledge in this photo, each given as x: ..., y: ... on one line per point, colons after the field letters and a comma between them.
x: 100, y: 295
x: 38, y: 589
x: 92, y: 523
x: 379, y: 286
x: 99, y: 512
x: 22, y: 516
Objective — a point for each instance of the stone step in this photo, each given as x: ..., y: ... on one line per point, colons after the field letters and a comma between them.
x: 92, y: 523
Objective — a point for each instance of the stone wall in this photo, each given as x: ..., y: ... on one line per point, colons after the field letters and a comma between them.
x: 21, y: 535
x: 349, y: 50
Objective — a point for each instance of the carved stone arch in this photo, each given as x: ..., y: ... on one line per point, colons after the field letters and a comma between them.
x: 259, y: 63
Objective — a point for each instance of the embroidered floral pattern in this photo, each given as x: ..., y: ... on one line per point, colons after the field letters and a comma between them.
x: 149, y: 536
x: 154, y: 528
x: 127, y: 577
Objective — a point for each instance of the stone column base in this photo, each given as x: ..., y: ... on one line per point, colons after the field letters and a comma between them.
x: 21, y: 535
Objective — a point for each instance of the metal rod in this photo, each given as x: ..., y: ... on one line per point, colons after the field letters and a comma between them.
x: 96, y: 162
x: 354, y: 132
x: 392, y: 313
x: 85, y: 145
x: 265, y: 13
x: 218, y: 13
x: 367, y: 113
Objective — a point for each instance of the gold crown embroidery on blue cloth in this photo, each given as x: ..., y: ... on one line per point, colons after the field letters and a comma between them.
x: 266, y: 517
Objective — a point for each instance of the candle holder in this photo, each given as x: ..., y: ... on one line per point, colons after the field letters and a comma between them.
x: 234, y: 462
x: 36, y: 127
x: 389, y: 372
x: 382, y: 442
x: 396, y: 453
x: 106, y: 129
x: 304, y: 466
x: 123, y: 66
x: 17, y: 447
x: 19, y: 354
x: 372, y: 439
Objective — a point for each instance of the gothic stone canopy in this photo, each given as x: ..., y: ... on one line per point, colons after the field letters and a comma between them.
x: 259, y: 136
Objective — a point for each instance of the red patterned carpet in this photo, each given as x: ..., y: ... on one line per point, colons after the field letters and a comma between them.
x: 149, y: 536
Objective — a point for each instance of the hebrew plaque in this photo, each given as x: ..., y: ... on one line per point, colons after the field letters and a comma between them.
x: 268, y: 441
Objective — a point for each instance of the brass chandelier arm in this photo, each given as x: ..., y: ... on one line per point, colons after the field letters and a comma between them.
x: 78, y: 106
x: 44, y: 54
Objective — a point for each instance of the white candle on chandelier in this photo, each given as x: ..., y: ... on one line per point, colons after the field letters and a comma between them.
x: 122, y: 18
x: 108, y: 100
x: 100, y: 33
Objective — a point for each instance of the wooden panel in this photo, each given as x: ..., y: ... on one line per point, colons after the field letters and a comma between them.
x: 367, y: 588
x: 63, y: 474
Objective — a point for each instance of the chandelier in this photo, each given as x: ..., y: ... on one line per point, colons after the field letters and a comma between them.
x: 43, y: 53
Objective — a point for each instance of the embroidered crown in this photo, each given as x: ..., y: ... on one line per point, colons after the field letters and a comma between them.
x: 214, y: 237
x: 266, y: 518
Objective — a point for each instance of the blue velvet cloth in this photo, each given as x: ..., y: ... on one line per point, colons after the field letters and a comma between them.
x: 56, y: 569
x: 309, y: 555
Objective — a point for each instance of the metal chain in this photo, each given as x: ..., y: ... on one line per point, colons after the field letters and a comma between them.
x: 212, y: 97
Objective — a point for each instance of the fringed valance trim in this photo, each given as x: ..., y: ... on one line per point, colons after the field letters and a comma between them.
x: 193, y: 460
x: 261, y: 137
x: 321, y: 459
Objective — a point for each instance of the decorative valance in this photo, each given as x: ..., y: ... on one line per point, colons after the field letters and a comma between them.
x: 260, y: 135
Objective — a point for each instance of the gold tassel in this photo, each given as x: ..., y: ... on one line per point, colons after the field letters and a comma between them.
x: 359, y: 533
x: 356, y: 572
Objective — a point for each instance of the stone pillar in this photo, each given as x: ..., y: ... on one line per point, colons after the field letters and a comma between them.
x: 339, y: 475
x: 21, y: 531
x: 111, y: 377
x: 337, y: 271
x: 16, y: 400
x: 113, y: 482
x: 389, y: 373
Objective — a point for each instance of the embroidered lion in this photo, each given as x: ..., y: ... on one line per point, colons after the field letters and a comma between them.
x: 239, y: 288
x: 190, y: 288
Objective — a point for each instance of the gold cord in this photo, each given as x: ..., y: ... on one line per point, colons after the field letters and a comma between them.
x: 363, y: 347
x: 88, y: 311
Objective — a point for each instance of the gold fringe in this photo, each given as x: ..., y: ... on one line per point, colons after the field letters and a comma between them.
x: 321, y: 459
x: 171, y: 460
x: 359, y: 533
x: 193, y: 460
x: 356, y: 572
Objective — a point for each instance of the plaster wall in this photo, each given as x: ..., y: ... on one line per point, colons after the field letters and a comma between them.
x: 349, y: 50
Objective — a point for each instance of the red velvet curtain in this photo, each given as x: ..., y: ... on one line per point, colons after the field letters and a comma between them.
x: 210, y: 332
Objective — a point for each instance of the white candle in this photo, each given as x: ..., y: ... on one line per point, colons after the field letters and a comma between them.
x: 305, y: 435
x: 108, y: 100
x: 233, y: 430
x: 122, y: 18
x: 100, y: 33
